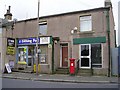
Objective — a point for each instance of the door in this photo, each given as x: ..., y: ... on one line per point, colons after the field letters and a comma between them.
x: 64, y: 55
x: 23, y: 54
x: 30, y: 55
x: 85, y: 56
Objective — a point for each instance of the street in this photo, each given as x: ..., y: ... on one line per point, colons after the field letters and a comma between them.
x: 17, y: 83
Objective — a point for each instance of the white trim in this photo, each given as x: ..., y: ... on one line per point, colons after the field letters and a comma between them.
x: 102, y: 57
x: 60, y: 55
x: 85, y: 56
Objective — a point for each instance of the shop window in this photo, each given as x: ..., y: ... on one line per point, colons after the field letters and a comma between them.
x: 85, y: 23
x: 96, y: 56
x: 43, y: 55
x: 43, y: 28
x: 84, y: 50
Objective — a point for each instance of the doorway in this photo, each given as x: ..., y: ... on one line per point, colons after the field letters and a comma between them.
x: 64, y: 55
x: 22, y: 54
x: 31, y: 57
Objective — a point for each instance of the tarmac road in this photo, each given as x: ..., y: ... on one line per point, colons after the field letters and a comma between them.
x: 17, y: 83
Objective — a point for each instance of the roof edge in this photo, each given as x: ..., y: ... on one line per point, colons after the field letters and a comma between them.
x: 66, y: 13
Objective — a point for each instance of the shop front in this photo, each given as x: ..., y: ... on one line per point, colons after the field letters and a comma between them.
x: 92, y: 56
x: 26, y: 51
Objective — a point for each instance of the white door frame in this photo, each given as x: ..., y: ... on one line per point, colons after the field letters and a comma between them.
x: 85, y: 56
x: 60, y: 55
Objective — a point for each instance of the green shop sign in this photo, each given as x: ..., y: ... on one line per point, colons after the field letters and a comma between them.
x: 89, y: 40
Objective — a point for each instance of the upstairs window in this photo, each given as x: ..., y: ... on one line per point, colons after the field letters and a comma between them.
x: 43, y: 28
x: 85, y: 23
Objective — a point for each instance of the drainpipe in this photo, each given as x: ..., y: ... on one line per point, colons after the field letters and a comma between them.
x: 52, y: 56
x: 108, y: 36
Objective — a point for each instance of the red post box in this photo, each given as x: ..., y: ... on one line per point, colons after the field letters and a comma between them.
x: 72, y: 66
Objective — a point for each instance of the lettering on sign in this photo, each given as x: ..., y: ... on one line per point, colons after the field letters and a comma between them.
x: 29, y: 41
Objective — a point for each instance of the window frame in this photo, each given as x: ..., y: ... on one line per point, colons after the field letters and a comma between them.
x: 91, y: 55
x: 101, y: 57
x: 83, y: 20
x: 43, y: 23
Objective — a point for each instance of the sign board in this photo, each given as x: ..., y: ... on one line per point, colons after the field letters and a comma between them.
x: 10, y: 46
x: 33, y: 41
x: 49, y: 46
x: 27, y: 41
x: 44, y: 40
x: 11, y: 42
x: 8, y: 68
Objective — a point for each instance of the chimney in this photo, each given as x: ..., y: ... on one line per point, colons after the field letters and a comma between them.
x: 107, y: 3
x: 9, y: 8
x: 8, y: 15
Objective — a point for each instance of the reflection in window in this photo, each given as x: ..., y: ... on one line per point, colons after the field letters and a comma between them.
x: 43, y: 54
x: 96, y: 55
x: 85, y: 62
x: 84, y: 50
x: 43, y: 28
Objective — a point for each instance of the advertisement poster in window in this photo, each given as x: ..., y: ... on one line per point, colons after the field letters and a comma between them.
x: 10, y: 46
x: 42, y: 58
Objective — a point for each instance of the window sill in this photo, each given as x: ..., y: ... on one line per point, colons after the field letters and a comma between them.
x: 87, y: 32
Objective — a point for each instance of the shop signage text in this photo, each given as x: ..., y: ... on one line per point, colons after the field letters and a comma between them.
x: 29, y: 41
x: 10, y: 46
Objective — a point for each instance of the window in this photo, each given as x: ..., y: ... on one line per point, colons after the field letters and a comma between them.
x: 85, y: 23
x: 84, y: 50
x: 43, y: 28
x: 43, y: 54
x: 96, y: 55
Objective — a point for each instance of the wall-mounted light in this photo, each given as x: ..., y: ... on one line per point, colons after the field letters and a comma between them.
x: 74, y: 30
x: 55, y: 41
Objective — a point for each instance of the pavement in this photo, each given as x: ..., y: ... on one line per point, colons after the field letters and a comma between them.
x: 60, y: 78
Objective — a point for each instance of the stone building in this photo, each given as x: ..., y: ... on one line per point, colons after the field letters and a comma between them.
x: 86, y: 35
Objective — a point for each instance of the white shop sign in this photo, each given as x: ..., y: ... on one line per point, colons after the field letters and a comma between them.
x: 8, y: 68
x: 44, y: 40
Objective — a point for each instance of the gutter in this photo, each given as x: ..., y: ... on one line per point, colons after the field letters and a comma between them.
x: 108, y: 36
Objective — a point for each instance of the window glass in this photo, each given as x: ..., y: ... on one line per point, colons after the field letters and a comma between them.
x: 85, y: 23
x: 43, y: 28
x: 84, y: 50
x: 85, y: 62
x: 96, y: 55
x: 43, y: 54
